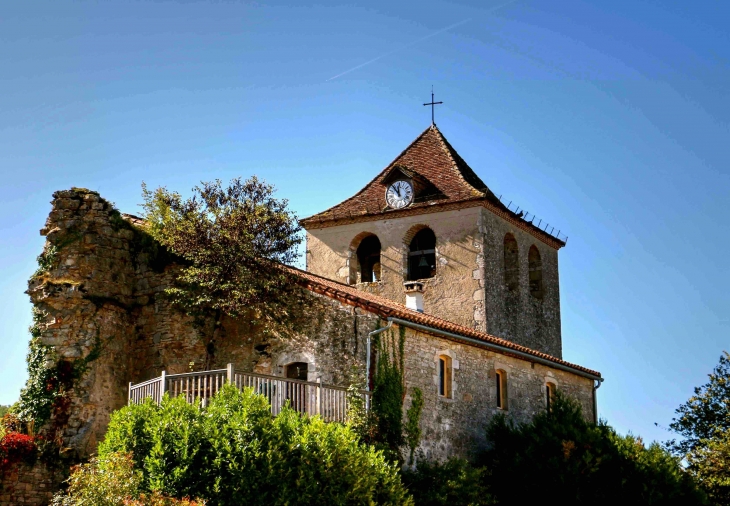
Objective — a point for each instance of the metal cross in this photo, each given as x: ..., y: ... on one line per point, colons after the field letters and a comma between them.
x: 432, y: 103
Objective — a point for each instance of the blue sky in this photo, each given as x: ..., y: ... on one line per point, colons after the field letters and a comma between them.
x: 607, y: 119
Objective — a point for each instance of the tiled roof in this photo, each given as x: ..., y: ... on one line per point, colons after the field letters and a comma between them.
x: 431, y: 158
x: 386, y: 308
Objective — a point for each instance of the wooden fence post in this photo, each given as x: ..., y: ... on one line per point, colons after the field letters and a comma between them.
x: 163, y: 385
x: 319, y: 396
x: 230, y: 373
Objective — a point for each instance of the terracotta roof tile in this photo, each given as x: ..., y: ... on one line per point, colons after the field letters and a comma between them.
x: 387, y: 308
x: 433, y: 159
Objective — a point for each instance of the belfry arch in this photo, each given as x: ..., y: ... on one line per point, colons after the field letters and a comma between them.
x: 364, y: 261
x: 420, y: 242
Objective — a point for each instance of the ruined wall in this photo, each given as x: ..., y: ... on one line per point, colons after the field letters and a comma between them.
x: 456, y: 425
x: 102, y: 304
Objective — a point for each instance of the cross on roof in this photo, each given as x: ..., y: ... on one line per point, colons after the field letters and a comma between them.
x: 432, y: 103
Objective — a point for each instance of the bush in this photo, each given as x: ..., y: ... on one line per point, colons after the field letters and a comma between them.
x: 453, y: 483
x: 14, y: 449
x: 233, y: 452
x: 111, y: 481
x: 559, y: 454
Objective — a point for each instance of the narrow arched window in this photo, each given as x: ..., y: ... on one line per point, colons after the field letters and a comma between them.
x: 549, y: 395
x: 535, y: 266
x: 368, y: 257
x: 445, y: 374
x: 501, y: 383
x: 511, y: 263
x: 422, y: 255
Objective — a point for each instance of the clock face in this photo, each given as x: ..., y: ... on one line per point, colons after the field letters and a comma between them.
x: 399, y: 194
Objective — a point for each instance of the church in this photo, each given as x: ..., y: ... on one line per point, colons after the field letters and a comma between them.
x: 479, y: 284
x: 425, y: 251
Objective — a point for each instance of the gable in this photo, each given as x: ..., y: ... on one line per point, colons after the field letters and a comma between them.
x: 442, y: 180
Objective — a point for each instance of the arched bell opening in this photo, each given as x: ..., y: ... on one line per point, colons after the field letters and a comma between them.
x: 422, y: 255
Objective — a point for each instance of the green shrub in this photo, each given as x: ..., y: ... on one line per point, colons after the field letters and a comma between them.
x: 234, y: 452
x: 111, y: 481
x: 453, y: 483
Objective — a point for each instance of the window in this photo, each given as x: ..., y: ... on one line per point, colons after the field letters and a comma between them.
x: 422, y: 255
x: 501, y: 381
x: 549, y: 395
x: 445, y: 374
x: 535, y: 265
x: 297, y: 370
x: 368, y: 257
x: 511, y: 263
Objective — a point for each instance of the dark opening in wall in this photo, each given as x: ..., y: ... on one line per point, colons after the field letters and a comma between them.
x: 422, y: 255
x: 368, y: 256
x: 511, y: 263
x: 535, y: 266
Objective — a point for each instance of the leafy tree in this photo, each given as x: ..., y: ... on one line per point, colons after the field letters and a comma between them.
x: 709, y: 462
x: 233, y: 242
x: 234, y: 452
x: 706, y: 412
x: 4, y: 410
x: 704, y: 423
x: 560, y: 454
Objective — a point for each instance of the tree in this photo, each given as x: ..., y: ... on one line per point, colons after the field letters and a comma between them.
x: 561, y: 455
x: 706, y: 413
x: 233, y: 242
x: 704, y: 423
x: 709, y: 462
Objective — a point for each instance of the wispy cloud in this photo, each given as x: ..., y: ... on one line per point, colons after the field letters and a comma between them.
x: 437, y: 32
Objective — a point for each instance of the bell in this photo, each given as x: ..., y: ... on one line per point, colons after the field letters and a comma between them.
x: 423, y: 262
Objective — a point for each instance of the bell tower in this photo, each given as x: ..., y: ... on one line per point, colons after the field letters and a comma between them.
x: 428, y: 217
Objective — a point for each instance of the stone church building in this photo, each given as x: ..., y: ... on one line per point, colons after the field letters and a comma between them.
x: 425, y: 247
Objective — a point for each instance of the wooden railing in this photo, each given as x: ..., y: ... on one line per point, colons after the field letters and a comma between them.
x: 312, y: 398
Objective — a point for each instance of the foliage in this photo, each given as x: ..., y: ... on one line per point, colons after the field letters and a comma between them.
x: 454, y: 483
x: 46, y: 261
x: 4, y: 410
x: 49, y: 378
x: 389, y: 392
x: 560, y: 454
x: 709, y: 463
x: 15, y: 448
x: 706, y: 412
x: 233, y: 239
x: 412, y: 428
x: 111, y: 481
x: 704, y: 424
x: 234, y: 452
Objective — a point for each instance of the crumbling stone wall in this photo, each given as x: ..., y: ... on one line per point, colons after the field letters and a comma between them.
x: 103, y: 302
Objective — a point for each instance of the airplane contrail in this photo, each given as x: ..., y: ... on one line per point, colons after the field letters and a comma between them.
x: 415, y: 42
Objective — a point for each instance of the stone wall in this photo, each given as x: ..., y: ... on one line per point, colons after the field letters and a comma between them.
x: 456, y: 425
x: 517, y: 315
x: 454, y: 293
x: 468, y: 287
x: 30, y: 485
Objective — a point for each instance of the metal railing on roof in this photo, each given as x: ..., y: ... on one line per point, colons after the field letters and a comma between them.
x: 534, y: 220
